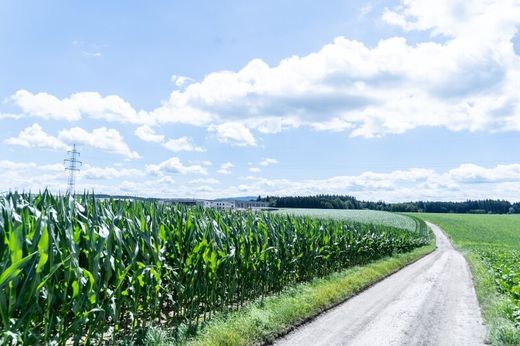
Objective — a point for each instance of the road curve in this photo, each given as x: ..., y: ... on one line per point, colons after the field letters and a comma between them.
x: 430, y: 302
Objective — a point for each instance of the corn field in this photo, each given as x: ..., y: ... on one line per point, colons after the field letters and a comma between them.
x: 82, y: 271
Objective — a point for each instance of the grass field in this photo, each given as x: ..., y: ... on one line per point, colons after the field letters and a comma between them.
x: 363, y: 216
x: 491, y: 243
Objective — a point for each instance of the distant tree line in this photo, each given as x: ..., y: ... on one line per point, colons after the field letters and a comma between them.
x: 485, y: 206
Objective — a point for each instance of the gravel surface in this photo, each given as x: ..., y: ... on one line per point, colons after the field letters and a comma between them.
x: 430, y: 302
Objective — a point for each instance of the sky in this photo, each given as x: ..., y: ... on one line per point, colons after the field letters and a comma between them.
x: 383, y: 100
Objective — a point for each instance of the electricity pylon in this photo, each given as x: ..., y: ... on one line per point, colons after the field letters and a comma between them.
x: 73, y: 165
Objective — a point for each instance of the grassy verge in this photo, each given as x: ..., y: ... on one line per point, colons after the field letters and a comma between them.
x: 471, y: 234
x: 497, y: 309
x: 261, y: 323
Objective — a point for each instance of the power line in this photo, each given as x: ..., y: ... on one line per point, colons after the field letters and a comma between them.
x: 73, y: 165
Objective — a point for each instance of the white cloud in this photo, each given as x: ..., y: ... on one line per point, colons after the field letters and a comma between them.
x: 399, y: 185
x: 466, y: 81
x: 177, y: 110
x: 181, y: 80
x: 15, y: 166
x: 100, y: 138
x: 467, y: 181
x: 455, y: 17
x: 35, y: 137
x: 92, y: 104
x: 272, y: 124
x: 225, y: 168
x: 147, y: 134
x: 102, y: 173
x: 463, y: 79
x: 182, y: 144
x: 254, y: 170
x: 45, y: 105
x: 471, y: 173
x: 268, y: 161
x: 234, y: 133
x: 174, y: 165
x: 11, y: 116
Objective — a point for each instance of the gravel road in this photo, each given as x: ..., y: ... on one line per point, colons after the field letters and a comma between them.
x: 430, y: 302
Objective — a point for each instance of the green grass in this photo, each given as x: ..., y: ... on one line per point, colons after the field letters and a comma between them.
x: 364, y: 216
x: 491, y: 244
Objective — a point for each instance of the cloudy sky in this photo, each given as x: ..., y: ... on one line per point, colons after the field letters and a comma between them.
x: 394, y: 100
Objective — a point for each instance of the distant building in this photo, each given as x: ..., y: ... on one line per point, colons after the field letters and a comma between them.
x: 250, y: 205
x: 205, y: 204
x: 223, y: 205
x: 216, y: 204
x: 237, y: 204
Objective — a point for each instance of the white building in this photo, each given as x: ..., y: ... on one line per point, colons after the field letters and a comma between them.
x: 217, y: 204
x: 233, y: 204
x: 250, y: 204
x: 223, y: 205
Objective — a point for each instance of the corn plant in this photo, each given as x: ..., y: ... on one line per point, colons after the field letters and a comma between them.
x: 82, y: 270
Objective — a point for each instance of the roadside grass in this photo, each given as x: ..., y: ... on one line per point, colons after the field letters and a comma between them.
x: 261, y: 322
x: 477, y: 234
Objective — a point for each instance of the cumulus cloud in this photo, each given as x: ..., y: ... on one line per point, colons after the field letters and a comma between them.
x: 463, y: 79
x: 254, y: 170
x: 464, y: 82
x: 268, y: 161
x: 182, y: 144
x: 11, y: 116
x: 35, y: 137
x: 207, y: 181
x: 15, y: 166
x: 174, y: 165
x: 471, y: 173
x: 467, y: 181
x: 92, y: 104
x: 104, y: 173
x: 234, y: 133
x: 455, y: 17
x: 225, y: 168
x: 180, y: 80
x: 101, y: 138
x: 148, y: 134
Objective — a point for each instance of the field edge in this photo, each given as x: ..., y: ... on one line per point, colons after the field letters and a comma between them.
x: 262, y: 323
x: 495, y: 307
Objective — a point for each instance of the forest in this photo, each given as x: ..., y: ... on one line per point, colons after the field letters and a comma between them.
x: 485, y: 206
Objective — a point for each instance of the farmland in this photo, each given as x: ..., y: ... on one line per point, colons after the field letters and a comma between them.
x: 84, y: 270
x: 363, y: 216
x: 492, y: 246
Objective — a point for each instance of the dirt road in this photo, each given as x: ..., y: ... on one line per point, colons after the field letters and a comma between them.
x: 430, y: 302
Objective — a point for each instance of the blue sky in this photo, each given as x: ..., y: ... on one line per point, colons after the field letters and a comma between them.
x: 394, y: 100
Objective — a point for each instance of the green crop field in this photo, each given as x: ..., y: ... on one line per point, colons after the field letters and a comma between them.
x: 363, y: 216
x: 85, y: 270
x: 492, y: 245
